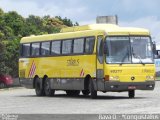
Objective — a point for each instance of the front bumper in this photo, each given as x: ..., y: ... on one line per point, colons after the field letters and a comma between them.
x: 126, y: 86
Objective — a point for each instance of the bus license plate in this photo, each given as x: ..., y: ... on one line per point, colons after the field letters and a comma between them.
x: 131, y: 87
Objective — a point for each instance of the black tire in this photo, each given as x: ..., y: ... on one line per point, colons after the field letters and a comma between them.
x: 85, y: 92
x: 72, y: 92
x: 47, y: 88
x: 131, y: 93
x: 92, y: 90
x: 2, y: 85
x: 38, y: 89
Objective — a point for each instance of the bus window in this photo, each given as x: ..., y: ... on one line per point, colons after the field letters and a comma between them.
x: 26, y: 50
x: 66, y: 46
x: 78, y: 46
x: 45, y: 48
x: 35, y: 49
x: 89, y: 46
x: 144, y: 53
x: 56, y: 48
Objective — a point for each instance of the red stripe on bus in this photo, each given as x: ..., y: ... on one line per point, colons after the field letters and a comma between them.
x: 82, y: 73
x: 32, y: 69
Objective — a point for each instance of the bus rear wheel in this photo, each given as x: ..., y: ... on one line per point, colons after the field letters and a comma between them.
x: 38, y: 89
x: 92, y: 90
x: 47, y: 88
x: 131, y: 93
x: 72, y: 92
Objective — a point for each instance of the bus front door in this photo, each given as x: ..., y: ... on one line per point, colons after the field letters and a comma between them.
x: 100, y: 64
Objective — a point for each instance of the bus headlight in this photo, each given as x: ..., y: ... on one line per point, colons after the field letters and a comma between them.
x: 114, y: 78
x: 149, y: 77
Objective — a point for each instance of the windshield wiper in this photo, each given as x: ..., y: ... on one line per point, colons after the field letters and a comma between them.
x: 137, y: 56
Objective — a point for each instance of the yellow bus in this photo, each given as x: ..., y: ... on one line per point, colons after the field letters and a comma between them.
x: 90, y: 58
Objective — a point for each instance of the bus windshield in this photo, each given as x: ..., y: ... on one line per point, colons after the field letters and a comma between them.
x: 129, y: 50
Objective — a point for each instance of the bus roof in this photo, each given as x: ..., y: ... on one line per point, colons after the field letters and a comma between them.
x: 88, y: 30
x: 109, y: 29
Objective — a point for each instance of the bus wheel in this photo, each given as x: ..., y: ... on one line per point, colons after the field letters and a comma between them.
x: 73, y: 92
x: 47, y: 88
x: 85, y: 92
x: 92, y: 91
x: 38, y: 89
x: 131, y: 93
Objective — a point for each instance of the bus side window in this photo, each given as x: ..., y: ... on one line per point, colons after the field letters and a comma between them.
x: 78, y: 46
x: 89, y: 46
x: 67, y: 47
x: 26, y: 50
x: 56, y: 48
x: 45, y: 48
x: 35, y: 51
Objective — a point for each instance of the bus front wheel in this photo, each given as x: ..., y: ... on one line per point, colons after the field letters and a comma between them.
x: 47, y: 88
x: 38, y: 89
x: 131, y: 93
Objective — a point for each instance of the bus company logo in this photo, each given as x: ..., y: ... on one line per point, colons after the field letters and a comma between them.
x: 73, y: 62
x: 32, y: 69
x: 82, y: 73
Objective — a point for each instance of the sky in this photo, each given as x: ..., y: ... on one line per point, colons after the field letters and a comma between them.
x: 133, y: 13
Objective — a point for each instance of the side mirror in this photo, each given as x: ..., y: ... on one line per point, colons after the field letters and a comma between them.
x: 154, y: 48
x: 158, y: 53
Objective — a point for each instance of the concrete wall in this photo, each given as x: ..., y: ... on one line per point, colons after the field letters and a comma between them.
x: 107, y: 19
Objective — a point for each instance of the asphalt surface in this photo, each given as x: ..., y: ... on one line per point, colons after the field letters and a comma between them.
x: 24, y: 101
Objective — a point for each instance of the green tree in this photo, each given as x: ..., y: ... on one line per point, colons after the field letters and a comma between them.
x: 9, y: 58
x: 34, y: 25
x: 65, y: 21
x: 76, y: 24
x: 1, y: 12
x: 13, y: 27
x: 3, y: 68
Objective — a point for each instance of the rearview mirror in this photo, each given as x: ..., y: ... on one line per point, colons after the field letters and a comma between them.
x: 154, y: 48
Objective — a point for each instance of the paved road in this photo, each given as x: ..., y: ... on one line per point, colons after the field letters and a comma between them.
x: 24, y: 101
